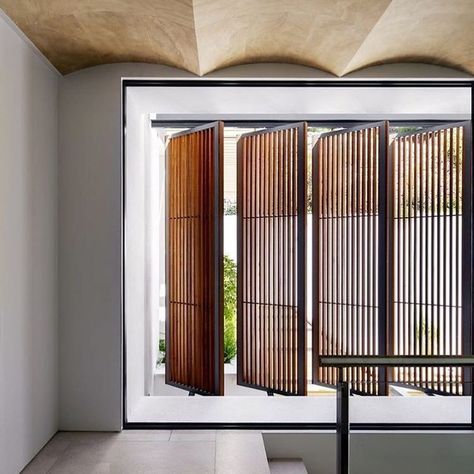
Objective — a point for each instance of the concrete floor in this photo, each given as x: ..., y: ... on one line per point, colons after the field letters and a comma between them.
x: 147, y: 452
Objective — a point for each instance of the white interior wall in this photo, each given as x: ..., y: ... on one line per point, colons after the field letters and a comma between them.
x: 154, y: 245
x: 28, y: 251
x: 136, y: 254
x: 302, y: 103
x: 90, y: 247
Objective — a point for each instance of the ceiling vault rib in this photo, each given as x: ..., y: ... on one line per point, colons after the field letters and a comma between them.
x: 347, y: 69
x: 196, y: 40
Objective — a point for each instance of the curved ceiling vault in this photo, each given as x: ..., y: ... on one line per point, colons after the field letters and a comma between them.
x: 200, y: 36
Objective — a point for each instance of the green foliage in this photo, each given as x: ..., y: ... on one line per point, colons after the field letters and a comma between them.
x: 230, y: 309
x: 162, y: 345
x: 404, y: 130
x: 161, y: 352
x: 309, y: 187
x: 230, y: 207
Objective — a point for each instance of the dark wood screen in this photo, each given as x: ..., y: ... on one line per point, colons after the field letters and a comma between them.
x: 194, y: 324
x: 432, y: 257
x: 349, y: 252
x: 271, y: 320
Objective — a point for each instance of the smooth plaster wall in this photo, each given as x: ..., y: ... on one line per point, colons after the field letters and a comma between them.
x: 28, y: 251
x: 136, y: 252
x: 90, y: 244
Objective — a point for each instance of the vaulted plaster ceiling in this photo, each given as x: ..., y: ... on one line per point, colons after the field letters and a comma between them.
x: 200, y: 36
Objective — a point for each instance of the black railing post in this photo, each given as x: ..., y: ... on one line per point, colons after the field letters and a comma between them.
x: 472, y: 404
x: 342, y: 426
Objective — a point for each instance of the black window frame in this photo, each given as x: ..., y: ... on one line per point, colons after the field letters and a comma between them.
x: 132, y: 83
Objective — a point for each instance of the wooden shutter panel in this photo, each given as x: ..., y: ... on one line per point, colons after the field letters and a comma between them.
x: 194, y: 325
x: 271, y: 203
x: 431, y: 262
x: 349, y: 252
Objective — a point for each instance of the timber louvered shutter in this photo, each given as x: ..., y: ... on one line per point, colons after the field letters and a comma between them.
x: 194, y: 298
x: 349, y: 252
x: 431, y: 261
x: 271, y: 236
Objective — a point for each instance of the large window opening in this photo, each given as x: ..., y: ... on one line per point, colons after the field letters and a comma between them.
x: 335, y: 238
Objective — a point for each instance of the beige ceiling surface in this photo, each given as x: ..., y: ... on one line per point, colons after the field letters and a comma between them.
x: 200, y: 36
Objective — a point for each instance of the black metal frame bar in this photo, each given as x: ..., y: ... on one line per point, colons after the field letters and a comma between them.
x: 131, y: 83
x: 240, y: 304
x: 138, y: 82
x: 397, y: 361
x: 467, y: 266
x: 218, y: 176
x: 342, y: 426
x: 296, y: 426
x: 265, y: 123
x: 383, y: 280
x: 301, y: 261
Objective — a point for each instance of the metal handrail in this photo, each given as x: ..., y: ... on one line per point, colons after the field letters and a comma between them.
x: 396, y: 361
x: 342, y: 362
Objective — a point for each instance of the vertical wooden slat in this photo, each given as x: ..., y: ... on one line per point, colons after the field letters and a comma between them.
x: 344, y: 248
x: 358, y: 196
x: 369, y: 255
x: 422, y: 328
x: 455, y: 247
x: 453, y: 312
x: 430, y: 264
x: 416, y: 327
x: 363, y: 237
x: 262, y: 266
x: 286, y: 335
x: 256, y: 256
x: 278, y: 260
x: 437, y: 277
x: 445, y: 254
x: 275, y: 341
x: 327, y: 335
x: 332, y: 309
x: 353, y: 237
x: 318, y: 282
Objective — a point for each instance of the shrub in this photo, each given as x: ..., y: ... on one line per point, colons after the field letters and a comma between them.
x: 161, y: 352
x: 230, y: 309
